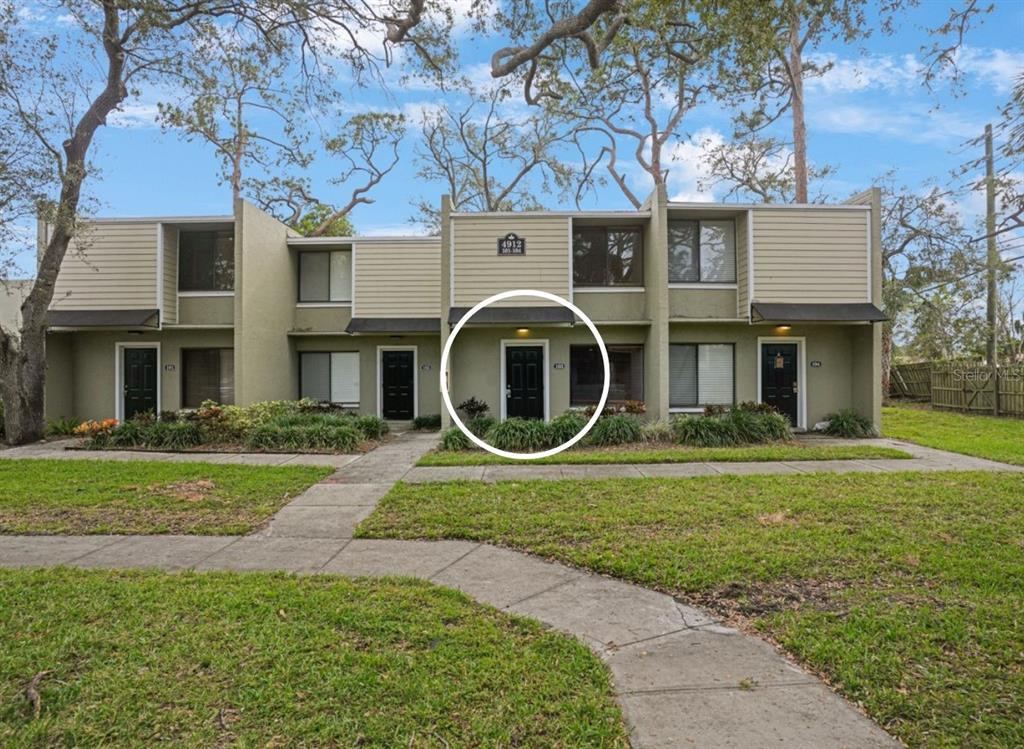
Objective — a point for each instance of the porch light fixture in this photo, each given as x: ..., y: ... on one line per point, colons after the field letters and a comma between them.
x: 522, y: 332
x: 783, y: 328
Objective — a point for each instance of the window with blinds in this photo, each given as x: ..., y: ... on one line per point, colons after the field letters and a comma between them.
x: 330, y: 376
x: 325, y: 276
x: 702, y: 251
x: 586, y: 374
x: 207, y: 374
x: 701, y: 374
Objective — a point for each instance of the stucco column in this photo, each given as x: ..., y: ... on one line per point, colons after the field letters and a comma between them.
x: 656, y: 353
x: 446, y: 289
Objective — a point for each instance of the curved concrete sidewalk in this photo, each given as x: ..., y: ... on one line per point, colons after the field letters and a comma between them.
x: 682, y: 678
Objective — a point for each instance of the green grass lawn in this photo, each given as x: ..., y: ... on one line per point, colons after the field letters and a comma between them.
x: 137, y: 659
x: 905, y: 590
x: 92, y: 496
x: 989, y: 437
x: 610, y: 455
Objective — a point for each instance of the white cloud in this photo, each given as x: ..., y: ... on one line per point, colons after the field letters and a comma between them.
x: 915, y: 124
x: 134, y: 116
x: 872, y: 72
x: 688, y: 169
x: 997, y: 67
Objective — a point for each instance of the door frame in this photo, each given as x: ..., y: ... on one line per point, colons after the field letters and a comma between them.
x: 415, y: 378
x: 801, y: 372
x: 517, y: 342
x: 119, y: 348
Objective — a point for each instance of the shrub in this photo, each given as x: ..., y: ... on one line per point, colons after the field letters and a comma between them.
x: 454, y: 439
x: 657, y: 431
x: 519, y: 435
x: 755, y: 427
x: 430, y: 421
x: 481, y: 425
x: 849, y: 423
x: 372, y: 427
x: 705, y: 431
x: 56, y: 428
x: 715, y: 410
x: 315, y: 436
x: 565, y: 427
x: 615, y: 430
x: 96, y: 432
x: 168, y: 416
x: 473, y: 408
x: 755, y: 407
x: 129, y: 434
x: 173, y: 435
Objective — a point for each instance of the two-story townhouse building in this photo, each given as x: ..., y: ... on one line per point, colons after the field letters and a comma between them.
x: 699, y: 304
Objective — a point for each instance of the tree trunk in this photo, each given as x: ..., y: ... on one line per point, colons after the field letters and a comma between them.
x: 22, y: 379
x: 796, y: 72
x: 886, y: 359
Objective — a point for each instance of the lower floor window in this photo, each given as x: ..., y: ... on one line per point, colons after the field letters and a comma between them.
x: 701, y: 374
x: 586, y: 374
x: 330, y: 376
x: 207, y: 374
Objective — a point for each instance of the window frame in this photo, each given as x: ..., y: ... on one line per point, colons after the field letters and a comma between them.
x: 609, y: 346
x: 182, y: 379
x: 638, y: 228
x: 330, y: 374
x: 204, y: 291
x: 698, y: 256
x: 698, y: 406
x: 328, y: 300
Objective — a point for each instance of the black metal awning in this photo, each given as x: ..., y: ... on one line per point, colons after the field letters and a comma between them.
x: 370, y: 325
x: 514, y: 316
x: 788, y: 312
x: 103, y: 318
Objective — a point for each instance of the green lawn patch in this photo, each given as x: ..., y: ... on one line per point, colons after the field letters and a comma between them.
x: 905, y: 590
x: 988, y: 437
x: 93, y: 496
x: 604, y: 456
x: 136, y: 659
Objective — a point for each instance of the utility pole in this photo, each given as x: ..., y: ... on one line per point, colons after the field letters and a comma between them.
x: 992, y: 307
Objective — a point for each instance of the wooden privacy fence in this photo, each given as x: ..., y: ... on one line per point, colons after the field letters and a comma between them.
x: 911, y: 380
x: 972, y: 387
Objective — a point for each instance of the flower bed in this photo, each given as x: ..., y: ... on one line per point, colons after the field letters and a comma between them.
x: 745, y: 424
x: 269, y: 426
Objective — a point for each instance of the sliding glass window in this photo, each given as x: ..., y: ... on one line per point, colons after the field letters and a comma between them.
x: 325, y: 276
x: 586, y: 374
x: 206, y: 261
x: 702, y: 374
x: 702, y: 251
x: 207, y: 374
x: 330, y: 376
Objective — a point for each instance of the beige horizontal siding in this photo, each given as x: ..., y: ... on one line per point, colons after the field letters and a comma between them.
x: 813, y: 255
x: 170, y: 290
x: 398, y: 279
x: 480, y: 272
x: 110, y: 265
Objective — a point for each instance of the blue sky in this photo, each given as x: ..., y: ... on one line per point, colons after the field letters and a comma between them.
x: 868, y: 116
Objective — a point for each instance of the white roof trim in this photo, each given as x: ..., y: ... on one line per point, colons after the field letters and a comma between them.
x: 771, y: 206
x: 159, y: 219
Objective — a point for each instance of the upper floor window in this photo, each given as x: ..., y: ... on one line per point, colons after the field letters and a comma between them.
x: 702, y: 251
x: 206, y: 261
x: 607, y: 256
x: 325, y: 276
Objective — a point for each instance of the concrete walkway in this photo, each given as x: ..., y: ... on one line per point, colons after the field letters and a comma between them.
x: 682, y: 678
x: 924, y: 459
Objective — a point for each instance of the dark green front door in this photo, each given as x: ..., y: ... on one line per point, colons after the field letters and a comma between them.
x: 524, y: 382
x: 779, y: 383
x: 139, y: 381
